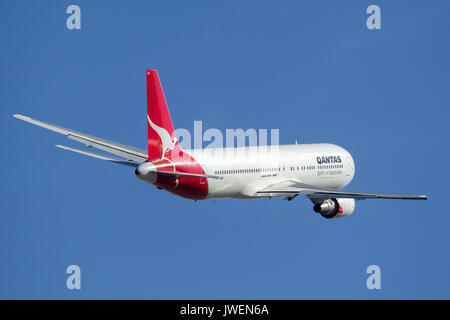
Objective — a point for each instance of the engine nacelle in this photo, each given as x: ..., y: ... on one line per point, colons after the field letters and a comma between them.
x: 335, y: 208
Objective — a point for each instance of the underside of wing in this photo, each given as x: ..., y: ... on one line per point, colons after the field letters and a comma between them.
x: 127, y: 152
x: 295, y: 188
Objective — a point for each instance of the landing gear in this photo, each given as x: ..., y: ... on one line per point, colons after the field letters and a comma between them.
x: 289, y: 198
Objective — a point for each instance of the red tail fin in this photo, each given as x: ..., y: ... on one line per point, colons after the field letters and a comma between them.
x: 161, y: 136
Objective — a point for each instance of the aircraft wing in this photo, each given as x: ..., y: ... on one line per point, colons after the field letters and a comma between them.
x: 127, y: 152
x: 296, y: 188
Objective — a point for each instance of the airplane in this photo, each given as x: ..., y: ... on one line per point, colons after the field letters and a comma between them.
x: 316, y: 171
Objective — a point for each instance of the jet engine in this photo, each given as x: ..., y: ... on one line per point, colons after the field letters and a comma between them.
x: 335, y: 208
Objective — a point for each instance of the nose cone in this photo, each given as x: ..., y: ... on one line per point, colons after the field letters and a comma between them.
x: 147, y: 172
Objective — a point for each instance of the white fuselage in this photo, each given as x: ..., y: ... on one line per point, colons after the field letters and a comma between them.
x: 246, y: 170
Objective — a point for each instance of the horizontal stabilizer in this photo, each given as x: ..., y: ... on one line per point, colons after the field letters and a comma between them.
x: 100, y: 156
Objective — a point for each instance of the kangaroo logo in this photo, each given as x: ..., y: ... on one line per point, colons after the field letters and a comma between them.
x: 168, y: 143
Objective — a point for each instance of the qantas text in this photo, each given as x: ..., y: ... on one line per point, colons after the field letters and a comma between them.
x: 329, y: 159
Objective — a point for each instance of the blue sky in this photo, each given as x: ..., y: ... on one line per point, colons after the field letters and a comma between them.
x: 311, y: 69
